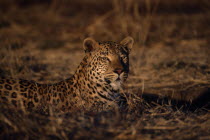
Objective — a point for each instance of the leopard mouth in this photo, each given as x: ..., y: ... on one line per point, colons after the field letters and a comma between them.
x: 118, y: 79
x: 109, y: 80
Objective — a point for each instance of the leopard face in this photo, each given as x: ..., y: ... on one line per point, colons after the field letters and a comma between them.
x: 109, y: 61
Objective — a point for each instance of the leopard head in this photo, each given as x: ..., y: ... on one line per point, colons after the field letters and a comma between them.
x: 108, y: 61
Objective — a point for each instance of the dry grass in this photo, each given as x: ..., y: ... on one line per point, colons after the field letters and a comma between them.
x: 43, y: 42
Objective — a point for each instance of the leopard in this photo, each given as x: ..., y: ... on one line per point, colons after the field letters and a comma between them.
x: 97, y: 83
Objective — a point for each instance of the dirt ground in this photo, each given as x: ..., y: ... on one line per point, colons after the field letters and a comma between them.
x: 168, y: 89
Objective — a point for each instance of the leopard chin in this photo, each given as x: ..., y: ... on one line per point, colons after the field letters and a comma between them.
x: 117, y: 82
x: 116, y: 85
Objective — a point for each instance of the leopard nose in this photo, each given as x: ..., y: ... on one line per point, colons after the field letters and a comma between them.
x: 118, y: 71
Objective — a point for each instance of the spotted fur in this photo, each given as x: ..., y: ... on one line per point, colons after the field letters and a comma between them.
x: 96, y: 84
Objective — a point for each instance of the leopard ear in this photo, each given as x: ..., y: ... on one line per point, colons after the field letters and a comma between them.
x: 128, y: 42
x: 89, y: 44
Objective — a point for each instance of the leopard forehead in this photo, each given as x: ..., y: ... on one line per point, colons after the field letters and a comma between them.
x: 112, y: 48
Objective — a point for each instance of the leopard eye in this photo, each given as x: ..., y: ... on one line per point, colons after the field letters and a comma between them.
x: 105, y: 59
